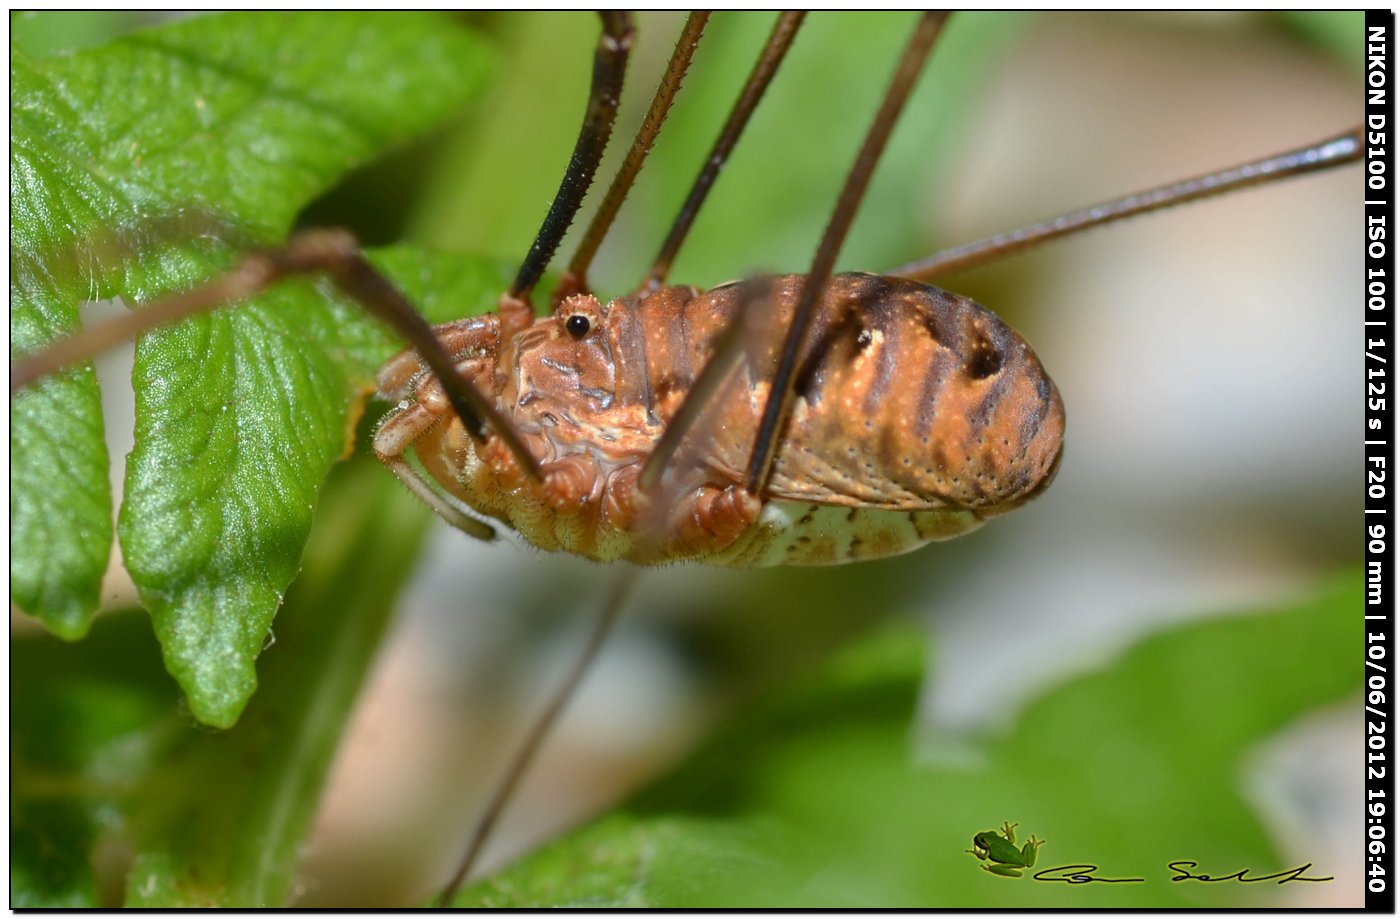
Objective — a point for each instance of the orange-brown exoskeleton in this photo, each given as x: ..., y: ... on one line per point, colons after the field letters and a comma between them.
x: 918, y: 415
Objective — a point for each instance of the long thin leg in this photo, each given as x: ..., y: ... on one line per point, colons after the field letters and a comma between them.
x: 524, y: 755
x: 609, y: 66
x: 331, y: 252
x: 784, y: 31
x: 1325, y: 154
x: 780, y: 393
x: 575, y: 278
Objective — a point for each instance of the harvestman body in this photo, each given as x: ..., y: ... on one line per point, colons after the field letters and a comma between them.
x: 919, y: 415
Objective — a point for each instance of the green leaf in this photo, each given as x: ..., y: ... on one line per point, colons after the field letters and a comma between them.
x: 105, y: 753
x: 236, y: 121
x: 60, y: 501
x: 241, y: 845
x: 814, y: 801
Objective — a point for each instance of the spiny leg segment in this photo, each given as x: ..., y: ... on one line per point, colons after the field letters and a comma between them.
x: 609, y: 67
x: 575, y: 278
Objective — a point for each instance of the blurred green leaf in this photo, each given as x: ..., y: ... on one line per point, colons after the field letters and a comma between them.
x: 239, y: 120
x: 1336, y: 30
x: 46, y: 32
x: 813, y: 802
x: 87, y: 722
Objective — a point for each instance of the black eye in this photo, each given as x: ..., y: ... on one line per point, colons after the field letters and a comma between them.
x: 577, y: 325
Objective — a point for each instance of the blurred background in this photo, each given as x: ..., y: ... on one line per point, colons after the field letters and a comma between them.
x: 1206, y: 359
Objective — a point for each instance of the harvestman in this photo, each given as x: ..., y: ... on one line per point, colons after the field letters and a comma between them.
x: 805, y: 419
